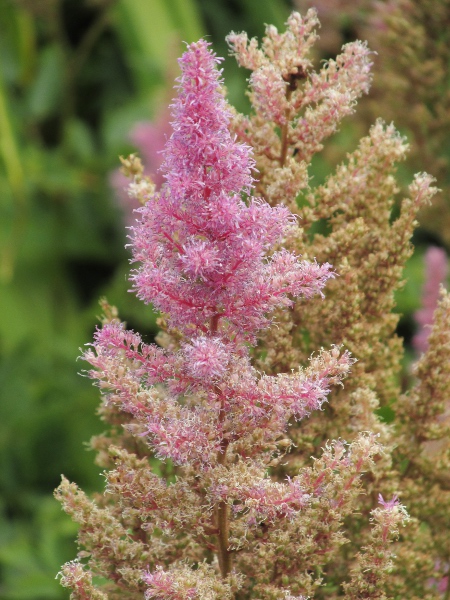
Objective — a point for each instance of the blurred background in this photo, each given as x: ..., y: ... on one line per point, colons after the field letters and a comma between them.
x: 82, y: 82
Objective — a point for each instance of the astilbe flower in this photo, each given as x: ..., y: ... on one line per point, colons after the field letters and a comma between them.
x: 375, y: 560
x: 207, y: 260
x: 289, y: 97
x: 200, y: 246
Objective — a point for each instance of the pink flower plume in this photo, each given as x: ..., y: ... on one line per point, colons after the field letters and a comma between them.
x: 203, y: 250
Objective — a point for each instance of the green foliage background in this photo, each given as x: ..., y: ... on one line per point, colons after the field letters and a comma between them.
x: 75, y: 75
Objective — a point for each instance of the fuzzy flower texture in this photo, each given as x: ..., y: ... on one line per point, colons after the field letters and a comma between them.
x: 204, y: 261
x: 209, y: 260
x: 203, y: 249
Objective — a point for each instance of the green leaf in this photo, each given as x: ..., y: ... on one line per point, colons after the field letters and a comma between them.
x: 408, y: 298
x: 274, y: 12
x: 146, y: 29
x: 188, y: 19
x: 9, y: 150
x: 46, y: 91
x: 79, y: 140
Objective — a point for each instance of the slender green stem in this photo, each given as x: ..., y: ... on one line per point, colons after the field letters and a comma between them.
x: 223, y: 512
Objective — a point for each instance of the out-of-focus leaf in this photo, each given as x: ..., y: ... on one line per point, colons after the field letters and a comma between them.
x: 117, y: 124
x: 9, y: 43
x: 46, y: 91
x: 187, y: 18
x: 408, y: 298
x: 26, y: 37
x: 147, y: 30
x: 274, y: 12
x: 31, y: 552
x: 15, y: 326
x: 79, y: 140
x: 8, y: 147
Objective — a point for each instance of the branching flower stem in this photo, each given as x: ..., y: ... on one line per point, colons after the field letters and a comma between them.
x: 223, y: 523
x: 222, y: 517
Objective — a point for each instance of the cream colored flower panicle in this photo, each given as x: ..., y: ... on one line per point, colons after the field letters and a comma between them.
x: 359, y: 222
x: 289, y: 97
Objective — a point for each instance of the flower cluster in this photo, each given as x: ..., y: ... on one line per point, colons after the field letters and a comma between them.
x: 207, y: 259
x: 211, y: 489
x: 355, y: 221
x: 203, y: 251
